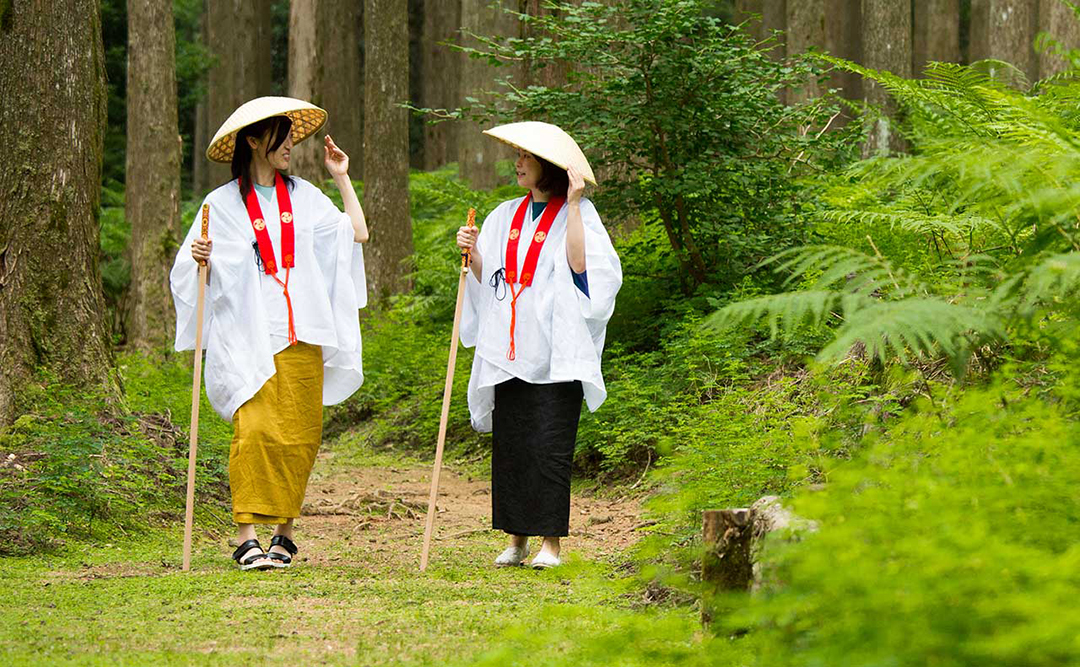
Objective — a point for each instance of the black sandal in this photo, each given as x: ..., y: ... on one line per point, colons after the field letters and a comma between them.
x: 280, y: 560
x: 252, y: 561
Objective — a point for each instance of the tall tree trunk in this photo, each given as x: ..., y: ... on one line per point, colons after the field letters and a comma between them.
x: 979, y: 31
x: 478, y: 153
x: 52, y: 123
x: 153, y: 171
x: 239, y: 36
x: 1061, y: 23
x: 324, y: 69
x: 552, y: 74
x: 416, y: 80
x: 774, y: 17
x: 936, y: 33
x: 805, y: 29
x: 200, y: 175
x: 1011, y: 34
x: 749, y: 12
x: 386, y: 146
x: 886, y: 46
x: 441, y: 79
x: 843, y: 35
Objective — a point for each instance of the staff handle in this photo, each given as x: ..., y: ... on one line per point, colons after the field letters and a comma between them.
x: 189, y: 512
x: 429, y: 525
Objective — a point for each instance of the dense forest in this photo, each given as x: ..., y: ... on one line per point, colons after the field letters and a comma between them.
x: 850, y: 239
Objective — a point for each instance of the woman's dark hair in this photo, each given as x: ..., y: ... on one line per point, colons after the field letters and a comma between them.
x: 553, y: 180
x: 279, y: 128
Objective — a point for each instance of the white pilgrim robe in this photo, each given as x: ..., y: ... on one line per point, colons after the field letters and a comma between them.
x: 246, y: 317
x: 559, y: 335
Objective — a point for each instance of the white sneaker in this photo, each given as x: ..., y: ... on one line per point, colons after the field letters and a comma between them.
x: 545, y: 560
x: 513, y: 556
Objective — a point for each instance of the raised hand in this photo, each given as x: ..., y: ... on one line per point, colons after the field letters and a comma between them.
x: 576, y: 187
x: 335, y: 160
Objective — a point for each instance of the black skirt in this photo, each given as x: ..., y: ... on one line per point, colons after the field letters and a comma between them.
x: 534, y: 429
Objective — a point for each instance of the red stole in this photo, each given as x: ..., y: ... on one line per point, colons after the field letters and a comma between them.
x: 552, y: 209
x: 266, y: 247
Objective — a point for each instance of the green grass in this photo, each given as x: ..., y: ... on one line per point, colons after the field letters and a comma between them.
x: 129, y: 604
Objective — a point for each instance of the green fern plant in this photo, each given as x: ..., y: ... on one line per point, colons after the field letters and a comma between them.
x: 980, y: 225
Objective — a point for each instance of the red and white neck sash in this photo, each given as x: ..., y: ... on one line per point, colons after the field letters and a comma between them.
x: 266, y: 247
x: 528, y: 271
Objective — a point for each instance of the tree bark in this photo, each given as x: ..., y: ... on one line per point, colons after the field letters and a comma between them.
x: 886, y: 46
x: 749, y: 13
x: 936, y: 33
x: 386, y: 146
x: 844, y: 39
x: 200, y: 175
x: 153, y: 171
x: 552, y: 74
x: 239, y: 37
x: 979, y: 31
x: 477, y: 153
x: 805, y: 29
x: 52, y: 123
x: 1061, y: 23
x: 324, y: 69
x: 774, y: 17
x: 441, y: 69
x: 1011, y: 34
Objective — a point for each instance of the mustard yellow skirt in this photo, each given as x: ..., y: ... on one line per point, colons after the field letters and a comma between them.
x: 276, y: 436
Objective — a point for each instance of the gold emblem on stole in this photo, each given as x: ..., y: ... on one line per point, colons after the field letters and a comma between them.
x: 514, y: 234
x: 259, y: 224
x: 286, y: 217
x: 540, y: 236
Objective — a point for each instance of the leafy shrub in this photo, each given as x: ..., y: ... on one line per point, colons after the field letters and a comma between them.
x: 75, y: 467
x: 948, y: 542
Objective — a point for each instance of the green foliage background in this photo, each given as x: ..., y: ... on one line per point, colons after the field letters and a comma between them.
x: 907, y: 381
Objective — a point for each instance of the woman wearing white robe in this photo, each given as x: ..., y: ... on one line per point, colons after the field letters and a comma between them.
x: 531, y: 398
x: 273, y: 360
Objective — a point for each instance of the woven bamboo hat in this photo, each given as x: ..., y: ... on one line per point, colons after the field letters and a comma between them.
x: 307, y: 119
x: 547, y: 141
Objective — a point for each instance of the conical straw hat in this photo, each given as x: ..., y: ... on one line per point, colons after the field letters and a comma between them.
x: 547, y: 141
x: 307, y: 119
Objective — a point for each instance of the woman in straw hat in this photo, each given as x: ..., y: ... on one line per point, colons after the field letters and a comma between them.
x: 282, y: 332
x: 541, y: 290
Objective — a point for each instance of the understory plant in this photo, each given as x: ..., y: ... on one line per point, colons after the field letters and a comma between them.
x: 952, y: 250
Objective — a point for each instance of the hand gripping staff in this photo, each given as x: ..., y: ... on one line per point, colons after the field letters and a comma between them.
x: 466, y: 260
x: 203, y: 279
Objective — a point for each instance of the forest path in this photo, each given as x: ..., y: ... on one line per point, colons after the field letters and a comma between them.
x: 381, y: 509
x: 355, y: 595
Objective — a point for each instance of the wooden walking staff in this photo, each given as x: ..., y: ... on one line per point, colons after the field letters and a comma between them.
x: 189, y: 514
x: 466, y: 260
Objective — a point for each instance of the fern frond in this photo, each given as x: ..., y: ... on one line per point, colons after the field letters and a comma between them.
x: 912, y: 221
x: 922, y: 327
x: 851, y: 270
x: 788, y: 311
x: 1055, y: 278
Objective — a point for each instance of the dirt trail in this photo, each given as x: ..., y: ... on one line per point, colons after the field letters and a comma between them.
x: 377, y: 513
x: 380, y: 511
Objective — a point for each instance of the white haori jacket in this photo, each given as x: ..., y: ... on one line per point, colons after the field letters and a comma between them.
x: 246, y: 318
x: 559, y: 335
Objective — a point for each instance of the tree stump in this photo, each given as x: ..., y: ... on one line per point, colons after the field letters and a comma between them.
x: 727, y: 564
